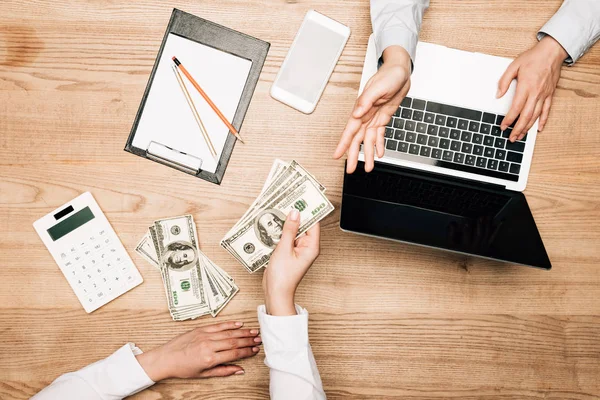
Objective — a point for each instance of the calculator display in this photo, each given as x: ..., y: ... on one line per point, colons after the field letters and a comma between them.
x: 70, y: 224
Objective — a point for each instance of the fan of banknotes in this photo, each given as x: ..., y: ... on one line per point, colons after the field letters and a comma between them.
x: 194, y: 285
x: 254, y: 237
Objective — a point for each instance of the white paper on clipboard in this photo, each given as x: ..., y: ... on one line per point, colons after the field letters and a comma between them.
x: 167, y: 117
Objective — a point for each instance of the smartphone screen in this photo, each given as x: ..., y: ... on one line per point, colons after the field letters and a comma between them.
x: 310, y: 61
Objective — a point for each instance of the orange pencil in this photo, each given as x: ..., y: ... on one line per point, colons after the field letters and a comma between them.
x: 208, y: 100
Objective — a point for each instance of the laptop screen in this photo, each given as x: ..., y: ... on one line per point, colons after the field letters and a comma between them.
x: 430, y: 210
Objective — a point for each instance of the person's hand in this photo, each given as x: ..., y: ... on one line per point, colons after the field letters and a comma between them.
x: 202, y: 352
x: 379, y: 100
x: 288, y: 264
x: 537, y: 72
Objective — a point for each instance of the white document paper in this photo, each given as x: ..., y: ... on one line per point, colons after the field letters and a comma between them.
x: 167, y: 117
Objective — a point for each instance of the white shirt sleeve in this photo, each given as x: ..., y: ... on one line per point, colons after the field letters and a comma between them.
x: 576, y: 26
x: 117, y: 376
x: 397, y: 22
x: 293, y: 369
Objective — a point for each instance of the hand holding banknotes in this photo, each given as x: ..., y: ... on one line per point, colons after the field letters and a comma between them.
x: 289, y: 263
x: 289, y: 186
x: 202, y: 353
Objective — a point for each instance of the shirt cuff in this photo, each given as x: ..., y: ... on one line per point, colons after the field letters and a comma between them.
x: 566, y: 29
x: 119, y: 375
x: 396, y: 36
x: 288, y: 333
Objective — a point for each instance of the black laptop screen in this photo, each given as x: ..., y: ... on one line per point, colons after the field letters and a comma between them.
x: 430, y: 210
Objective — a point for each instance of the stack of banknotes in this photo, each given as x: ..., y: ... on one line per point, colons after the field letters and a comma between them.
x: 194, y: 285
x: 254, y: 237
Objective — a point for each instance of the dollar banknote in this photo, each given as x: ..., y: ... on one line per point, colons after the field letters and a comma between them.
x: 252, y: 240
x: 283, y: 175
x: 194, y: 285
x: 179, y: 261
x: 145, y: 248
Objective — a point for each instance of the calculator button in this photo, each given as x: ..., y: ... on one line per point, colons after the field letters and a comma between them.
x: 130, y: 277
x: 89, y: 300
x: 100, y: 294
x: 111, y: 290
x: 118, y: 259
x: 114, y: 278
x: 108, y: 265
x: 94, y: 261
x: 124, y: 268
x: 79, y: 282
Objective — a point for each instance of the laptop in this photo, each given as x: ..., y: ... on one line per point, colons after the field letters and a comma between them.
x: 449, y: 178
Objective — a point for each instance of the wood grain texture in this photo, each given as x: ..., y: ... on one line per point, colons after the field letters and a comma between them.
x: 387, y: 320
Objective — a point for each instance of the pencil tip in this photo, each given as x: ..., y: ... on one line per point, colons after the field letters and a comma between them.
x: 175, y: 60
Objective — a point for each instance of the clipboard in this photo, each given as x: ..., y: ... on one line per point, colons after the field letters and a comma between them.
x: 164, y: 132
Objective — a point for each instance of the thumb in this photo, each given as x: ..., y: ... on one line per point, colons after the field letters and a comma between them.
x: 290, y: 229
x: 506, y: 79
x: 366, y: 100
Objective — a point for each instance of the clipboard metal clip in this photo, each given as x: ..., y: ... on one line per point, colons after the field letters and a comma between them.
x: 174, y: 158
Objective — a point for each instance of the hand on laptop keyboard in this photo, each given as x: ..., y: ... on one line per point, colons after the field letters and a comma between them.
x: 537, y: 72
x: 374, y: 109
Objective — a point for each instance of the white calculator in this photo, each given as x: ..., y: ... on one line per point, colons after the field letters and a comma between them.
x: 88, y: 252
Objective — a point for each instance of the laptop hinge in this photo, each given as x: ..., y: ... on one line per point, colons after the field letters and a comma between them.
x: 419, y: 173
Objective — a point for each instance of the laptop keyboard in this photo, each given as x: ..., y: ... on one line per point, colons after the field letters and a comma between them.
x: 454, y: 137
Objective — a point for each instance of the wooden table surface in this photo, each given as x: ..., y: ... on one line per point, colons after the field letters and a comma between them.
x: 387, y: 320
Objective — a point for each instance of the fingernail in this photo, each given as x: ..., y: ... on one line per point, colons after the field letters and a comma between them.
x: 253, y: 332
x: 240, y: 372
x: 239, y: 323
x: 255, y: 349
x: 294, y: 215
x: 258, y: 339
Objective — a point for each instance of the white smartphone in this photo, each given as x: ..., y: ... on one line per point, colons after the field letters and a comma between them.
x: 310, y: 62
